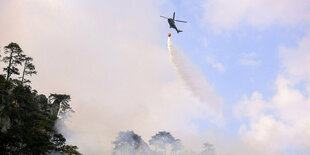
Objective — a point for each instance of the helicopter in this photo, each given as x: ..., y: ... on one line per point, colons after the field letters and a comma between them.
x: 172, y: 21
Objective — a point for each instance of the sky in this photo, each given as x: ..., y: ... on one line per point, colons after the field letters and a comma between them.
x: 112, y: 58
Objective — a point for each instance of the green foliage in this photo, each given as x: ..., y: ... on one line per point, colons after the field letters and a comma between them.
x: 63, y: 101
x: 29, y: 117
x: 29, y: 68
x: 4, y: 86
x: 31, y: 124
x: 14, y: 58
x: 60, y: 146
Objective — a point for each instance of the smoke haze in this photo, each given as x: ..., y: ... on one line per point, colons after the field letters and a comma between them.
x: 115, y: 68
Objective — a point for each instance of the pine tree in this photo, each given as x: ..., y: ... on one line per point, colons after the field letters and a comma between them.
x: 13, y: 59
x: 29, y: 68
x: 60, y: 103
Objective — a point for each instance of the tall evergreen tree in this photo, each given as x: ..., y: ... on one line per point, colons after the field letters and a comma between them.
x: 13, y: 59
x: 29, y: 68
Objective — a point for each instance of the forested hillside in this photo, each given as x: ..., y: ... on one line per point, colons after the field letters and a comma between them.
x: 27, y: 118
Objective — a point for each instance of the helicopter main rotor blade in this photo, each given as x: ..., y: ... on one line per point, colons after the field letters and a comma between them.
x: 163, y: 17
x: 173, y: 15
x: 181, y: 21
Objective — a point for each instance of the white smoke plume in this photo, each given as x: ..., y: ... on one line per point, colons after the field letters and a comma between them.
x: 193, y: 79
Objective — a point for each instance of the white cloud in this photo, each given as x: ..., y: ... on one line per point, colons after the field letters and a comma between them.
x: 215, y: 64
x: 296, y: 61
x: 266, y: 136
x: 283, y: 120
x: 253, y: 107
x: 278, y: 122
x: 249, y: 59
x: 231, y: 14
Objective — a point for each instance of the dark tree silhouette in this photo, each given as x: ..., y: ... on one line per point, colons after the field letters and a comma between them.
x: 59, y: 103
x: 13, y: 59
x: 29, y: 68
x: 60, y: 145
x: 29, y: 128
x: 27, y: 119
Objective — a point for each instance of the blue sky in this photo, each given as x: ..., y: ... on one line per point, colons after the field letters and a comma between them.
x: 255, y: 54
x: 248, y: 53
x: 229, y: 47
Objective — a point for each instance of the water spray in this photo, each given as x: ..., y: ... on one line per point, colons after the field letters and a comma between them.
x: 192, y: 77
